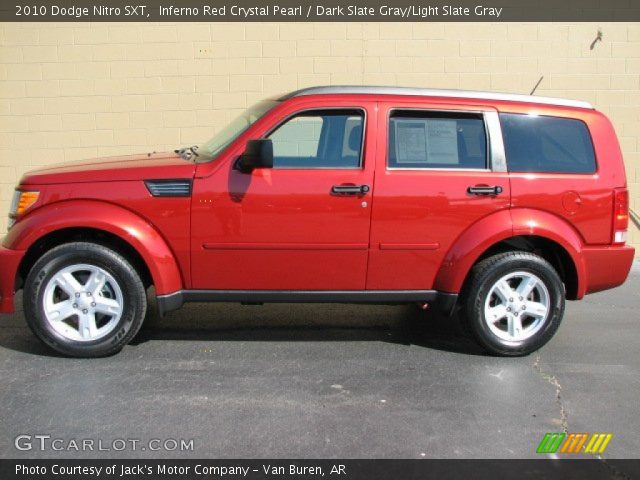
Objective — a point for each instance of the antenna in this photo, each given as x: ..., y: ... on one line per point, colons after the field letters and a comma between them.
x: 537, y: 85
x: 597, y: 39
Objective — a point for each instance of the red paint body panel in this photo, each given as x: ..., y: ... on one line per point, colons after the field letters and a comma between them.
x: 303, y: 237
x: 606, y: 267
x: 426, y: 206
x: 131, y: 228
x: 591, y: 214
x: 282, y: 230
x: 112, y: 169
x: 468, y: 247
x: 422, y: 205
x: 9, y: 261
x: 546, y: 225
x: 110, y: 195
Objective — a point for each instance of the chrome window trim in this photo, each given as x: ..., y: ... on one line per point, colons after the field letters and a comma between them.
x: 488, y: 144
x: 323, y: 109
x: 439, y: 169
x: 434, y: 92
x: 496, y: 142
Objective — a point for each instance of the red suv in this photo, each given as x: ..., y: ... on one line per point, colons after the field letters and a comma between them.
x: 499, y: 206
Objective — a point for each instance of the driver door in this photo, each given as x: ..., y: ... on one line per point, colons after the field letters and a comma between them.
x: 300, y: 225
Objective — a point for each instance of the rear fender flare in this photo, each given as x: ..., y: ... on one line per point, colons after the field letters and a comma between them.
x: 498, y: 227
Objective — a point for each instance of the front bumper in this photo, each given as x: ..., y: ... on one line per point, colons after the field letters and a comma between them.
x: 9, y: 262
x: 606, y: 267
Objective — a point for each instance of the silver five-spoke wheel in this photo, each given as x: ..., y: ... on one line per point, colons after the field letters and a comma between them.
x: 517, y: 306
x: 83, y: 302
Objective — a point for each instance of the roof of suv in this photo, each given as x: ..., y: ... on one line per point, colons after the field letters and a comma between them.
x: 429, y: 92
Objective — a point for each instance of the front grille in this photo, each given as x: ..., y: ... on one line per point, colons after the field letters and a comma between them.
x: 169, y: 188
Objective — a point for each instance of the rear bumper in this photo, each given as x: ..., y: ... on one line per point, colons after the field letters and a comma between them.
x: 606, y: 267
x: 9, y: 262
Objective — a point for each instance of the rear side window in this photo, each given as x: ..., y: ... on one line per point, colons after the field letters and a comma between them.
x: 319, y: 139
x: 547, y: 144
x: 436, y: 140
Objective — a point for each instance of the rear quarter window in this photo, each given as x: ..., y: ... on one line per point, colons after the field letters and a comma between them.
x: 547, y: 144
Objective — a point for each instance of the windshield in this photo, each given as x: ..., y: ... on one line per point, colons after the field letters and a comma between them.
x: 232, y: 131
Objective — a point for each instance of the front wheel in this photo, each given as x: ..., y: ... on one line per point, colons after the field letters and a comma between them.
x: 84, y: 300
x: 514, y: 303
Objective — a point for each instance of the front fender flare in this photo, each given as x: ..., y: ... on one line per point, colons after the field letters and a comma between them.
x: 119, y: 221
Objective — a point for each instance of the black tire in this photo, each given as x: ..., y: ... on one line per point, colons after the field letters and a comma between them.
x: 482, y: 278
x: 133, y: 293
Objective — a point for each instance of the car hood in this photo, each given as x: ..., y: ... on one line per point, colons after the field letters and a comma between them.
x: 122, y: 168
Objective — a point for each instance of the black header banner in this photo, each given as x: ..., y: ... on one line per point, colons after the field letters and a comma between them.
x: 584, y: 469
x: 320, y: 11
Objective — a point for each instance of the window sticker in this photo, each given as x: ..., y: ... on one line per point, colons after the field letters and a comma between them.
x: 411, y: 141
x: 442, y: 143
x: 426, y: 141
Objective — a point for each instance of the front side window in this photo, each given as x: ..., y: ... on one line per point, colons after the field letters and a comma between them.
x: 437, y: 140
x: 319, y: 139
x: 547, y: 144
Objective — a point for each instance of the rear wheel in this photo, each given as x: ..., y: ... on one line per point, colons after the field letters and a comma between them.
x: 84, y: 300
x: 514, y: 303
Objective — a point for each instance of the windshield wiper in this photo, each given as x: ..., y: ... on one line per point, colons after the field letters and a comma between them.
x: 188, y: 153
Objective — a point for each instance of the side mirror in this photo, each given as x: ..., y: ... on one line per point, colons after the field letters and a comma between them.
x: 258, y: 154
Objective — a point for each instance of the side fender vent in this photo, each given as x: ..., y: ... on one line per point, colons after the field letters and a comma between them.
x: 169, y: 188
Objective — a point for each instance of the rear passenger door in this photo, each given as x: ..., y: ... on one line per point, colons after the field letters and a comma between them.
x: 437, y: 173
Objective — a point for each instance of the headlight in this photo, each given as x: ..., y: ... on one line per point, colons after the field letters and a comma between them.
x: 21, y: 202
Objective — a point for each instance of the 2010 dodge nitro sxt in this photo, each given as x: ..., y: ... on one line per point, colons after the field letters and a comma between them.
x: 494, y: 206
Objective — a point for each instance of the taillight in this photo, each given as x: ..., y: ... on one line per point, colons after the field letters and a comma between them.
x: 620, y: 215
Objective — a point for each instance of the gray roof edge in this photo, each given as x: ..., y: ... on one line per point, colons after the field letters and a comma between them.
x: 432, y: 92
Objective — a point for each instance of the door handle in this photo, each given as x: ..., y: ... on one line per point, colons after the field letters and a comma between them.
x: 484, y: 190
x: 343, y: 190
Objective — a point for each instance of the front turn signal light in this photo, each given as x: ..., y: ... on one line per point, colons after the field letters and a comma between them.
x: 25, y: 201
x: 22, y: 201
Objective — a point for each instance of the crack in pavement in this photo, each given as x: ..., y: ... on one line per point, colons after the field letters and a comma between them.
x: 553, y: 380
x: 564, y: 418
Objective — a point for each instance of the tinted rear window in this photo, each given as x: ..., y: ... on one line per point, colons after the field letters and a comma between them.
x: 547, y: 144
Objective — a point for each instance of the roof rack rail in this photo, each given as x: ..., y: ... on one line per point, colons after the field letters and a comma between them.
x: 432, y: 92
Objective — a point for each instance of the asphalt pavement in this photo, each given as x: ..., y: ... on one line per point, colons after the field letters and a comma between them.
x: 324, y: 381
